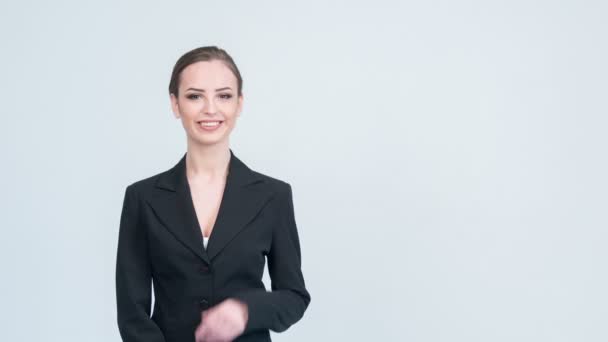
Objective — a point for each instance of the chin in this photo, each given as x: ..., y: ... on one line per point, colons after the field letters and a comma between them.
x: 207, y: 140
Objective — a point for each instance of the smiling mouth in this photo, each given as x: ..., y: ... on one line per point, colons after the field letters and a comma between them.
x: 210, y: 123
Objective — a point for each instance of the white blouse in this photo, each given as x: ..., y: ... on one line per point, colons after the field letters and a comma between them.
x: 205, y: 240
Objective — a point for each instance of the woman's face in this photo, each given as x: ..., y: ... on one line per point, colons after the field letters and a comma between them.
x: 207, y: 103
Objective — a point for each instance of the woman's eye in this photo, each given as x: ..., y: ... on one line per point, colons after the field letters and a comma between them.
x: 193, y: 96
x: 226, y: 96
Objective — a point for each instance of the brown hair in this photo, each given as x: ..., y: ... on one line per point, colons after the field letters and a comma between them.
x: 203, y: 54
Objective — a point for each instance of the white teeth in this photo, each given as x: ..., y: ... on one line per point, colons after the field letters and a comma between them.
x: 210, y: 124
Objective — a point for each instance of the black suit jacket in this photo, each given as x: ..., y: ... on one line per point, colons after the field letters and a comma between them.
x: 160, y: 241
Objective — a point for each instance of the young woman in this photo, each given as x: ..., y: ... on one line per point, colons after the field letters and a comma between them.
x: 202, y: 230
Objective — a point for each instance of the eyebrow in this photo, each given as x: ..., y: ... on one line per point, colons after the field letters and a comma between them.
x: 203, y: 90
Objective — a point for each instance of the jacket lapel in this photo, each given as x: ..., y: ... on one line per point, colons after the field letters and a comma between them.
x: 244, y: 196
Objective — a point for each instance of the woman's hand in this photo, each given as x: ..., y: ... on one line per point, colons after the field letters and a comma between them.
x: 223, y: 322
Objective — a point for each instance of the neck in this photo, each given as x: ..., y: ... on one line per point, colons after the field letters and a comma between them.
x: 207, y: 162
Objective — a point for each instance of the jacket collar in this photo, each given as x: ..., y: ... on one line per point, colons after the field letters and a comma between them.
x: 245, y: 193
x: 175, y: 179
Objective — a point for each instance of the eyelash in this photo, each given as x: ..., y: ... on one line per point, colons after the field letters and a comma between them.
x: 194, y: 96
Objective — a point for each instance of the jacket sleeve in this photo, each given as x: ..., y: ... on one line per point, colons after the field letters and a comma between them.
x: 133, y: 277
x: 285, y: 304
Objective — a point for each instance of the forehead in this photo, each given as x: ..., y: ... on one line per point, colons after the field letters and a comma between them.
x: 208, y: 74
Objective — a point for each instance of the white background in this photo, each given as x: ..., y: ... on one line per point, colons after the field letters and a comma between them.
x: 448, y: 158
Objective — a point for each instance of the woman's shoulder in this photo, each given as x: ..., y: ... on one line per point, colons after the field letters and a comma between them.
x: 150, y: 181
x: 143, y: 185
x: 278, y: 184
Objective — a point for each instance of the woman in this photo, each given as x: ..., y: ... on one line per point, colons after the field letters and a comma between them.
x: 202, y: 230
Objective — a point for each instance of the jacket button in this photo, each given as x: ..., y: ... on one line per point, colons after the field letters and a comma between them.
x: 203, y: 304
x: 204, y: 269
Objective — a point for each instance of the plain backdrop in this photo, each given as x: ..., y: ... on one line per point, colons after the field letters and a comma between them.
x: 448, y: 158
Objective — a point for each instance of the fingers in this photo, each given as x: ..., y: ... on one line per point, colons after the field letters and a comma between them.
x: 211, y: 327
x: 202, y: 330
x: 200, y: 333
x: 221, y: 323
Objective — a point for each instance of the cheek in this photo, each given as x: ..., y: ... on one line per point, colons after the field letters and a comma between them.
x: 229, y: 110
x: 189, y: 109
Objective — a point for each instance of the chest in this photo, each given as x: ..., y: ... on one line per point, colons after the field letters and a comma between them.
x: 206, y: 201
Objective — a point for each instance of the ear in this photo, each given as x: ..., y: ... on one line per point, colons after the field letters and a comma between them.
x: 174, y: 105
x: 240, y: 105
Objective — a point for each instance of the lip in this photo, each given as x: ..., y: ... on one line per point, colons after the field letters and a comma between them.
x: 209, y: 129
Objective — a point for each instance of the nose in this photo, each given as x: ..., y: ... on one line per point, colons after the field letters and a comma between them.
x: 209, y: 107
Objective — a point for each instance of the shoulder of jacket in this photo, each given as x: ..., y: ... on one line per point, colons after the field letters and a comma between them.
x: 276, y: 184
x: 143, y: 184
